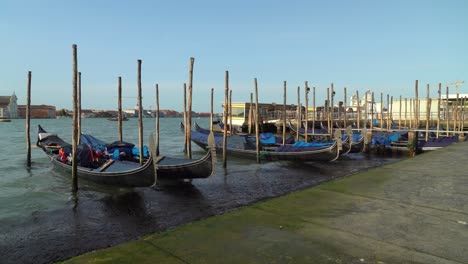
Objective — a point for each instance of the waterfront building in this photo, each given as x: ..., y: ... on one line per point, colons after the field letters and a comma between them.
x: 8, y: 106
x: 38, y: 111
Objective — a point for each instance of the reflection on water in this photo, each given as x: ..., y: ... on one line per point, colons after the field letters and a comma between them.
x: 41, y: 220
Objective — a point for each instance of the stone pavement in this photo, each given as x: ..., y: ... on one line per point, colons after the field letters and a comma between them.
x: 412, y: 211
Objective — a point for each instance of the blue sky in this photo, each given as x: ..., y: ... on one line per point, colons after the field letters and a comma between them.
x: 379, y: 45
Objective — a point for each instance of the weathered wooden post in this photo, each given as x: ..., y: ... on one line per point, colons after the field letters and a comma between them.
x: 344, y: 108
x: 119, y: 110
x: 231, y: 129
x: 388, y: 112
x: 447, y: 116
x: 189, y: 123
x: 358, y: 111
x: 284, y: 112
x: 366, y: 108
x: 315, y: 110
x: 381, y: 111
x: 211, y: 110
x: 257, y: 116
x: 157, y: 120
x: 332, y: 94
x: 185, y: 119
x: 455, y: 113
x: 306, y: 111
x: 416, y: 104
x: 460, y: 114
x: 372, y: 112
x: 226, y: 97
x: 327, y: 109
x: 391, y: 111
x: 79, y: 108
x: 412, y: 142
x: 28, y: 122
x: 75, y: 121
x: 250, y: 114
x: 399, y: 115
x: 428, y: 111
x: 140, y: 114
x: 299, y: 112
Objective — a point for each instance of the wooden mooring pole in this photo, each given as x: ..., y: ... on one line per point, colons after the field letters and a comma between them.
x: 75, y: 121
x: 399, y: 115
x: 249, y: 130
x: 315, y: 110
x: 372, y: 111
x: 416, y: 105
x: 358, y: 111
x: 345, y: 120
x: 327, y: 109
x: 388, y: 112
x: 381, y: 111
x: 231, y: 129
x: 299, y: 112
x: 140, y: 114
x: 391, y: 111
x: 28, y: 122
x: 428, y: 111
x: 257, y: 116
x: 306, y: 96
x: 157, y: 120
x: 211, y: 110
x: 447, y: 116
x: 366, y: 108
x: 185, y: 119
x: 332, y: 94
x: 79, y: 108
x: 225, y: 108
x: 119, y: 110
x: 189, y: 110
x: 284, y: 112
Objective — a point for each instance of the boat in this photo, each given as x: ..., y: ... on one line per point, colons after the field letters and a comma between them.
x: 351, y: 142
x: 5, y: 120
x: 245, y: 147
x: 437, y: 143
x: 117, y: 119
x: 122, y: 172
x: 172, y: 168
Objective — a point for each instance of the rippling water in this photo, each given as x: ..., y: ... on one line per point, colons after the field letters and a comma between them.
x: 24, y: 190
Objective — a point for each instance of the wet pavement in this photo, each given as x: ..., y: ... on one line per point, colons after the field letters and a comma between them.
x: 119, y: 215
x: 412, y: 211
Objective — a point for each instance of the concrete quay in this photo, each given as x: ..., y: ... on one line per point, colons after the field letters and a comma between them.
x: 412, y: 211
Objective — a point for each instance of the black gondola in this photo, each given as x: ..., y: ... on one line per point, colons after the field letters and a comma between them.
x: 125, y: 172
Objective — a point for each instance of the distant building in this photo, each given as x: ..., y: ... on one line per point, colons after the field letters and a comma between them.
x: 8, y: 106
x: 38, y: 111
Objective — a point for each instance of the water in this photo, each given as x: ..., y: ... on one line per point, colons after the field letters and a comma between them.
x: 23, y: 190
x: 42, y: 221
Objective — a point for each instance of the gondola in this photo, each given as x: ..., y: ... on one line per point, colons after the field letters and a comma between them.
x: 245, y: 147
x: 350, y: 143
x: 123, y: 172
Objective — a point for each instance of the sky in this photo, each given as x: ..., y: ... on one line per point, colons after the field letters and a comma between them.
x: 383, y: 46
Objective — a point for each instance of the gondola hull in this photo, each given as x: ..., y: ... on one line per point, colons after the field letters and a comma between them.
x: 273, y: 153
x: 141, y: 176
